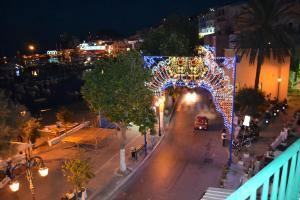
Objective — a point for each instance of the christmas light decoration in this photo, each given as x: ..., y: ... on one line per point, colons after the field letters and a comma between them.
x: 215, y: 74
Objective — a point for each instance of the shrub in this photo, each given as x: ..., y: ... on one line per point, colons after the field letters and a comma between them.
x: 64, y: 115
x: 249, y: 101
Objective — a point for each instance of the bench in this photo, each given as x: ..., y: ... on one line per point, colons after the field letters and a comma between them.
x: 140, y: 148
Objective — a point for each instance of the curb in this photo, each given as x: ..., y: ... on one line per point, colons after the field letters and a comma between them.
x: 121, y: 183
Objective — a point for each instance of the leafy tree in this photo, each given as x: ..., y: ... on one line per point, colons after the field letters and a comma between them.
x: 64, y: 115
x: 13, y: 116
x: 116, y: 88
x: 78, y: 173
x: 176, y: 36
x: 31, y: 130
x: 264, y: 32
x: 249, y: 101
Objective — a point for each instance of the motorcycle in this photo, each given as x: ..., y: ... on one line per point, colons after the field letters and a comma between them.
x: 238, y: 145
x: 275, y: 110
x: 267, y: 117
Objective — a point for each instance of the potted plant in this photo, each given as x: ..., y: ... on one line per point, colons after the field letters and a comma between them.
x: 78, y: 173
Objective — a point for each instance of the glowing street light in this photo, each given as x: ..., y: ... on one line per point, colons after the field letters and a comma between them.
x: 30, y: 163
x: 158, y: 104
x: 43, y: 171
x: 191, y: 97
x: 14, y: 186
x: 31, y: 47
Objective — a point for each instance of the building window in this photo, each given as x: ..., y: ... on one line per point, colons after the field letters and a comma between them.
x: 291, y: 25
x: 299, y: 28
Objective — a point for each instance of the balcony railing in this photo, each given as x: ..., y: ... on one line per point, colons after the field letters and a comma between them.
x: 279, y: 180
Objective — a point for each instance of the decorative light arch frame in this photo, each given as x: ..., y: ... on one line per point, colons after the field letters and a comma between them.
x: 215, y: 74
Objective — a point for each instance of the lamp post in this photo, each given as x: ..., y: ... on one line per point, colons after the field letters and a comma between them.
x: 157, y: 104
x: 278, y: 87
x: 30, y: 162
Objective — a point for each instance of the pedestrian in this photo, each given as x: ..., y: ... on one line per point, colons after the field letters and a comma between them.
x: 223, y: 137
x: 133, y: 153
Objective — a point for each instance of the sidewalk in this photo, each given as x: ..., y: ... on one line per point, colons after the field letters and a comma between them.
x: 259, y: 148
x: 107, y: 180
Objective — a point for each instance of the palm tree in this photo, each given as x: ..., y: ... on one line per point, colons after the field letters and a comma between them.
x: 264, y: 32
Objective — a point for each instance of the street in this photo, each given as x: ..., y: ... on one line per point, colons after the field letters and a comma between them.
x: 187, y: 161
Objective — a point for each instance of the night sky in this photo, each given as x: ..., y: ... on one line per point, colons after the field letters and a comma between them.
x: 41, y: 21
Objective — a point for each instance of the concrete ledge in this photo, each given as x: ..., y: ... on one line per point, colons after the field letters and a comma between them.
x: 56, y: 140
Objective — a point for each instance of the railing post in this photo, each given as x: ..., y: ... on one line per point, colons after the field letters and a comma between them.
x: 265, y: 190
x: 275, y: 185
x: 296, y: 184
x: 291, y: 178
x: 282, y: 187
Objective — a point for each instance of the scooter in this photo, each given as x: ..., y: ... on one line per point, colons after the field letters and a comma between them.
x: 238, y: 145
x: 267, y: 118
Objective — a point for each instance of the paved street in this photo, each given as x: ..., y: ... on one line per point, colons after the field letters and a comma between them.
x: 187, y: 161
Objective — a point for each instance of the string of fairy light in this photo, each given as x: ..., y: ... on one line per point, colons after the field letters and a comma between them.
x: 205, y: 71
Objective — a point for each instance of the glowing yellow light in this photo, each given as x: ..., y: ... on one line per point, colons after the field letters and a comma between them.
x: 191, y: 97
x: 279, y: 79
x: 31, y: 47
x: 14, y: 186
x: 43, y: 171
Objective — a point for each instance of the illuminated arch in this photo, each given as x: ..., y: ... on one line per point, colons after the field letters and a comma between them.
x: 216, y: 74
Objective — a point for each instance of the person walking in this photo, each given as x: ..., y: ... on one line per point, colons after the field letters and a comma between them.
x: 223, y: 137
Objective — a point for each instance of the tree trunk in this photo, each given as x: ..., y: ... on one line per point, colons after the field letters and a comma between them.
x: 258, y: 68
x: 76, y: 193
x: 123, y: 167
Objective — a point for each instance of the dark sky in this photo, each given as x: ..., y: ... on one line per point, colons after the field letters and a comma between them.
x: 41, y: 21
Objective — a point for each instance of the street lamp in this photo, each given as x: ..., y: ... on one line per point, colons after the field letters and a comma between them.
x: 30, y: 162
x: 31, y: 47
x: 158, y: 104
x: 157, y: 110
x: 278, y: 86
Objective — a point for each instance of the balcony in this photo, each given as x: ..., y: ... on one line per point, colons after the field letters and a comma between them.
x: 278, y: 180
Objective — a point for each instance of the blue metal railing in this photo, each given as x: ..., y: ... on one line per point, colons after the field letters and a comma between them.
x: 279, y: 180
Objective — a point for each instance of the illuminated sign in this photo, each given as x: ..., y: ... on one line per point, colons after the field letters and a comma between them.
x: 206, y: 31
x: 52, y: 53
x: 53, y: 60
x: 247, y: 120
x: 94, y: 47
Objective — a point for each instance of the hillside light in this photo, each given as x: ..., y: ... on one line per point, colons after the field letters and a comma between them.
x: 31, y: 47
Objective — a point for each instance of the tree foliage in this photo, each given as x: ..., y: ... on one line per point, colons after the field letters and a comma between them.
x: 31, y: 130
x: 11, y: 122
x: 249, y: 101
x: 116, y: 88
x: 78, y: 173
x: 264, y: 32
x: 176, y: 36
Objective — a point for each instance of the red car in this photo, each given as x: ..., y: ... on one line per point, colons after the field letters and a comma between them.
x: 201, y: 123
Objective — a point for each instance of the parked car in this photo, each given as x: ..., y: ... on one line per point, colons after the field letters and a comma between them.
x: 201, y: 123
